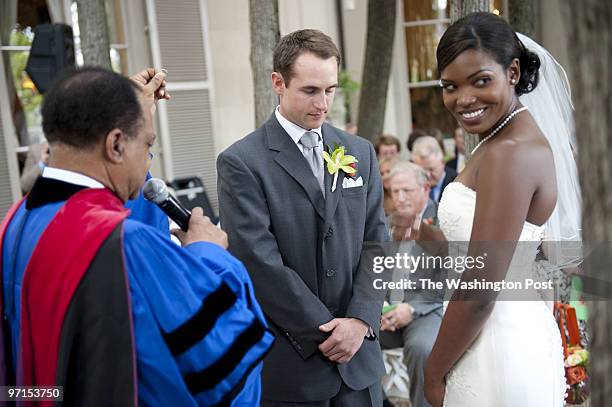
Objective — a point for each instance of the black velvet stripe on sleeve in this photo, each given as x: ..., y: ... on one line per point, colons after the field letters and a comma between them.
x: 208, y: 378
x: 227, y: 400
x: 199, y: 325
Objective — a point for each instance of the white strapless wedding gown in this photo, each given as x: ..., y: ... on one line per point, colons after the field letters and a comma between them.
x: 517, y: 360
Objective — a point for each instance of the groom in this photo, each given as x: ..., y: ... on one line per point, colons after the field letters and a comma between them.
x: 301, y: 239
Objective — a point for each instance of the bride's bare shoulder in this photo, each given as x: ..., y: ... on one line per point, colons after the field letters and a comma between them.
x: 524, y: 156
x: 523, y: 145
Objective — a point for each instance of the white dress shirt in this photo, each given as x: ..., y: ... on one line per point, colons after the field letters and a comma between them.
x: 295, y: 131
x: 71, y: 177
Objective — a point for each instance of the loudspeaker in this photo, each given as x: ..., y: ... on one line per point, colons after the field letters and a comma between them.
x: 52, y: 51
x: 190, y: 192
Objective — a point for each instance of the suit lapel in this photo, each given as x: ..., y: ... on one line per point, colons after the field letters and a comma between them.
x: 330, y: 138
x: 431, y: 211
x: 293, y: 162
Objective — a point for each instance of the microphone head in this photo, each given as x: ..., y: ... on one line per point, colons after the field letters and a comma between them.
x: 155, y: 190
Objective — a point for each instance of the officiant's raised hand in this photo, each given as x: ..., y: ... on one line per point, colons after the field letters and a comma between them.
x: 346, y: 337
x: 152, y: 83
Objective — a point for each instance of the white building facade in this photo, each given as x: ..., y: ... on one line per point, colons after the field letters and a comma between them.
x: 205, y: 46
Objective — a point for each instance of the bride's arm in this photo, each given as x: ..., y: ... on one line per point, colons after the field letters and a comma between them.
x: 432, y: 240
x: 505, y: 186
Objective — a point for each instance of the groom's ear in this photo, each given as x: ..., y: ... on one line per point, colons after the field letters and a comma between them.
x: 278, y: 83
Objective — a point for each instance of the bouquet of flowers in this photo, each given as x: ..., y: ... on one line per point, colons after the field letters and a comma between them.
x: 576, y: 357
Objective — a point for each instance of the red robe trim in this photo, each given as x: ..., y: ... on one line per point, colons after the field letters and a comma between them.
x: 58, y: 263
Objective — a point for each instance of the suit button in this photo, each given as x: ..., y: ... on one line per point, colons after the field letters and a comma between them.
x: 330, y: 273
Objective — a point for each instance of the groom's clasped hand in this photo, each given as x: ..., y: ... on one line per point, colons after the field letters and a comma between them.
x: 346, y: 337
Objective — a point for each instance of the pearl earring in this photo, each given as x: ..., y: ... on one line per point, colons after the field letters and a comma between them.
x: 513, y: 81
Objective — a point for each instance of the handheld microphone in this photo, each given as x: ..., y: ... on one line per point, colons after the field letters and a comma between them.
x: 155, y: 190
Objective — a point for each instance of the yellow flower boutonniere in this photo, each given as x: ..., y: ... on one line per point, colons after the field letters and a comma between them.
x: 338, y: 161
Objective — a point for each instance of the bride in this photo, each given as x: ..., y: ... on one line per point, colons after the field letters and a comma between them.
x: 519, y: 185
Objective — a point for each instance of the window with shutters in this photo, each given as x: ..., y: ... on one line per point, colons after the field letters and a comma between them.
x: 179, y: 43
x: 424, y: 23
x: 20, y: 119
x: 17, y: 22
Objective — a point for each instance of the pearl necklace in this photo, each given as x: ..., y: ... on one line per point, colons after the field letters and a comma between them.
x: 498, y: 128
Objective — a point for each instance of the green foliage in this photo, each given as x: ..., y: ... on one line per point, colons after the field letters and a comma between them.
x: 346, y: 83
x: 348, y: 86
x: 31, y: 99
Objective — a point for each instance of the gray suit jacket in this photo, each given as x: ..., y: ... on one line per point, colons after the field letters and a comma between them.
x: 303, y: 253
x: 422, y: 300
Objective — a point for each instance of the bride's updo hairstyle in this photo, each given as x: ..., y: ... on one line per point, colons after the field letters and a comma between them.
x: 491, y: 34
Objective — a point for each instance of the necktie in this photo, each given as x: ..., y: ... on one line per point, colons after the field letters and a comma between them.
x: 312, y: 153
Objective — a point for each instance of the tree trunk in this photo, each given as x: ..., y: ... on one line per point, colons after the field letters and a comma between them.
x: 461, y: 8
x: 589, y: 26
x: 522, y: 16
x: 458, y: 9
x: 376, y: 67
x: 263, y: 17
x: 94, y: 33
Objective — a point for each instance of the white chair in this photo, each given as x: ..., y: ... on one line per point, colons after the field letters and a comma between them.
x: 396, y: 383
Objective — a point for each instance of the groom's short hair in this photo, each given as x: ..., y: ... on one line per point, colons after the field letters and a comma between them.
x: 292, y: 45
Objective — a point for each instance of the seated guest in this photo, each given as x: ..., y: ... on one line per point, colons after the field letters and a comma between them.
x: 413, y: 136
x: 385, y: 166
x: 37, y: 159
x: 439, y: 136
x: 351, y: 128
x: 427, y: 154
x: 458, y: 162
x: 418, y: 133
x: 387, y: 146
x: 414, y: 322
x: 106, y: 306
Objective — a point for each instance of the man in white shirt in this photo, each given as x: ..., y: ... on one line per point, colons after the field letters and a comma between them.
x: 301, y: 234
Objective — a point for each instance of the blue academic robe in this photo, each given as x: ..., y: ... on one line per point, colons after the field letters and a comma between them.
x: 168, y: 288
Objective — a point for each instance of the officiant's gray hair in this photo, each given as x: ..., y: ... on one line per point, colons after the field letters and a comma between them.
x: 407, y: 167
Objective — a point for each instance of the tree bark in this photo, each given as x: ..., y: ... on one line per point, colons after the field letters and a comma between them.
x: 522, y: 16
x: 589, y: 28
x: 461, y: 8
x: 458, y: 9
x: 94, y: 33
x: 376, y: 67
x: 263, y: 17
